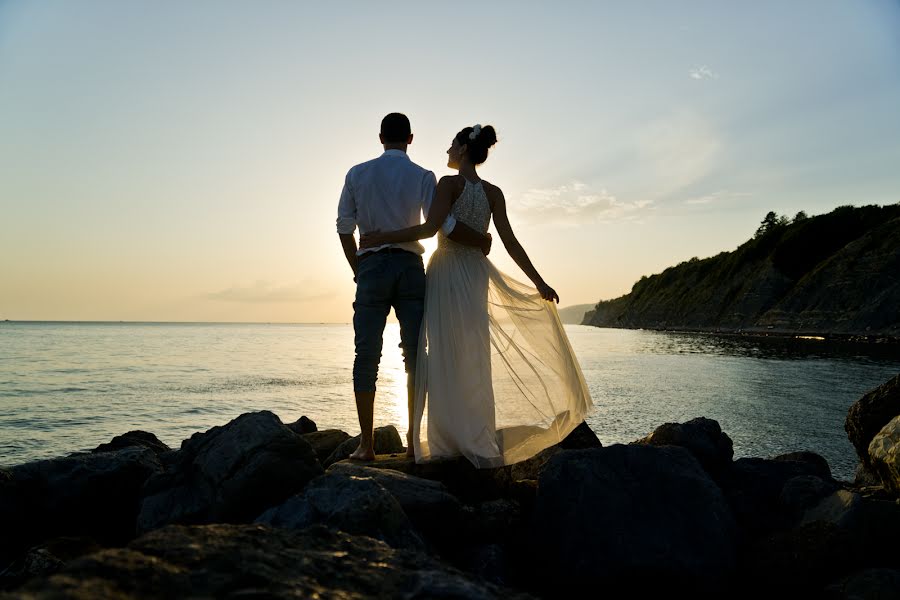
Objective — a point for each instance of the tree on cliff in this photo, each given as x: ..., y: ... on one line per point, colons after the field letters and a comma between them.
x: 773, y: 221
x: 769, y: 223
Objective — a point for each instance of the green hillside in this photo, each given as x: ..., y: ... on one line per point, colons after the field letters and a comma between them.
x: 835, y: 273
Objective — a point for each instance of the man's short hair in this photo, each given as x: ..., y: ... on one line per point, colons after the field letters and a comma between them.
x: 395, y: 128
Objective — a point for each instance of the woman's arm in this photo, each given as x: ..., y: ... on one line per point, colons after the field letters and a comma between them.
x: 515, y: 249
x: 440, y: 208
x: 437, y: 214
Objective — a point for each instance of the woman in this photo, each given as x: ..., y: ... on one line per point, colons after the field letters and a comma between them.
x: 496, y: 378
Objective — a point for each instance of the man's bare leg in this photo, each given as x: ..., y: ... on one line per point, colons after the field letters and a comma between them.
x: 410, y: 405
x: 365, y: 408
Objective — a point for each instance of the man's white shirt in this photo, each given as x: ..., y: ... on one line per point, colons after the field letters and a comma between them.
x: 385, y: 194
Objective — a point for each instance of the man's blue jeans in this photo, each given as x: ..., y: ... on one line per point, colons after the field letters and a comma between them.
x: 393, y: 278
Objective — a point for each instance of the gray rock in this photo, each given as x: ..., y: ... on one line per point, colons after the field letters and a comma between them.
x: 580, y: 438
x: 229, y: 473
x: 254, y: 561
x: 754, y: 486
x: 387, y: 441
x: 702, y: 437
x: 802, y: 493
x: 37, y: 562
x: 44, y: 559
x: 864, y: 477
x: 817, y: 462
x: 619, y: 514
x: 325, y: 442
x: 434, y: 511
x: 797, y: 563
x: 131, y: 439
x: 868, y: 584
x: 842, y: 508
x: 490, y: 562
x: 870, y: 413
x: 356, y: 505
x: 876, y: 530
x: 83, y: 494
x: 884, y: 455
x: 492, y: 521
x: 463, y: 480
x: 303, y: 425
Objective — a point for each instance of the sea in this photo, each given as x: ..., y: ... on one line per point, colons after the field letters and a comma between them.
x: 70, y: 386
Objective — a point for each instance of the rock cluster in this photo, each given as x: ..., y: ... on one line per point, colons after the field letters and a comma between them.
x: 259, y: 508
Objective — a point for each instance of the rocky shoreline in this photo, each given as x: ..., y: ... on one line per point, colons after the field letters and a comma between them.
x: 826, y: 337
x: 259, y: 508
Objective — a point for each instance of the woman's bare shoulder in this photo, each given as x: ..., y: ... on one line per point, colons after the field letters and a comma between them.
x: 492, y: 191
x: 451, y: 182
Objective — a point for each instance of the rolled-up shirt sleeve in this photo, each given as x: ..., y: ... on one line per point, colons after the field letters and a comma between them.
x: 346, y: 219
x: 430, y: 189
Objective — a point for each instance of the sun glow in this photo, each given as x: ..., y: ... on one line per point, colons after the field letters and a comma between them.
x: 392, y: 379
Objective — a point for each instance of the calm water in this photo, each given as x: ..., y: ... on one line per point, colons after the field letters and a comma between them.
x: 71, y: 386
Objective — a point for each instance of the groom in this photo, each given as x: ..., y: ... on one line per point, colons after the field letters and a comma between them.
x: 385, y: 194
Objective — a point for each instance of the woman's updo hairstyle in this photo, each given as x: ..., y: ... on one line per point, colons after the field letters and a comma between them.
x: 477, y: 142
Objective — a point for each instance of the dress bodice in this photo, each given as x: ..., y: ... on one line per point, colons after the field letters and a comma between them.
x: 473, y: 209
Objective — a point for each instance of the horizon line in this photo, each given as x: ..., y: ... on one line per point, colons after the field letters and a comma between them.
x: 138, y: 322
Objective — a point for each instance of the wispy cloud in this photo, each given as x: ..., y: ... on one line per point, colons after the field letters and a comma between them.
x: 576, y: 203
x: 266, y: 291
x: 720, y: 196
x: 702, y: 72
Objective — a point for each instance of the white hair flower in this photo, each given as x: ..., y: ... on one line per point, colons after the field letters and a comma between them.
x: 475, y: 131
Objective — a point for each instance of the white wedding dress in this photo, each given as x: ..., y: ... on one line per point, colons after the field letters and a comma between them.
x: 496, y: 378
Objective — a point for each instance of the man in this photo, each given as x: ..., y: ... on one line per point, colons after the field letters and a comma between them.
x: 388, y: 193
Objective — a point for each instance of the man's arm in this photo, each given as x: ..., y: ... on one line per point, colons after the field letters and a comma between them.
x: 349, y: 244
x: 438, y: 212
x: 465, y: 235
x: 346, y: 224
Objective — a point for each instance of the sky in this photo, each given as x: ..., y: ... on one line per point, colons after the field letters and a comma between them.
x: 182, y: 161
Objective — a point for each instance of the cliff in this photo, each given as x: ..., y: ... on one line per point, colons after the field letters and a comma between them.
x: 833, y: 273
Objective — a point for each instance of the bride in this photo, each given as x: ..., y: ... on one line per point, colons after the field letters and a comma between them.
x: 496, y: 378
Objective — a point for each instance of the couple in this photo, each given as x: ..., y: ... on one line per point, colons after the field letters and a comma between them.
x: 490, y: 372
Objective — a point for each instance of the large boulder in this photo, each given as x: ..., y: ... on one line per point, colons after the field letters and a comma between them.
x: 580, y: 438
x: 45, y: 559
x: 754, y: 488
x: 303, y: 425
x: 884, y: 455
x: 868, y: 584
x: 463, y: 480
x: 230, y: 473
x: 325, y: 442
x: 816, y: 462
x: 799, y: 494
x: 434, y: 511
x: 88, y: 494
x: 353, y: 504
x: 702, y: 437
x: 138, y: 438
x: 255, y: 561
x: 870, y: 413
x: 387, y: 441
x: 611, y: 516
x: 842, y: 508
x: 797, y: 563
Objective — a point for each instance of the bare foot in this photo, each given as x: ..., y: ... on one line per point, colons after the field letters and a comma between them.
x: 364, y: 454
x: 410, y: 453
